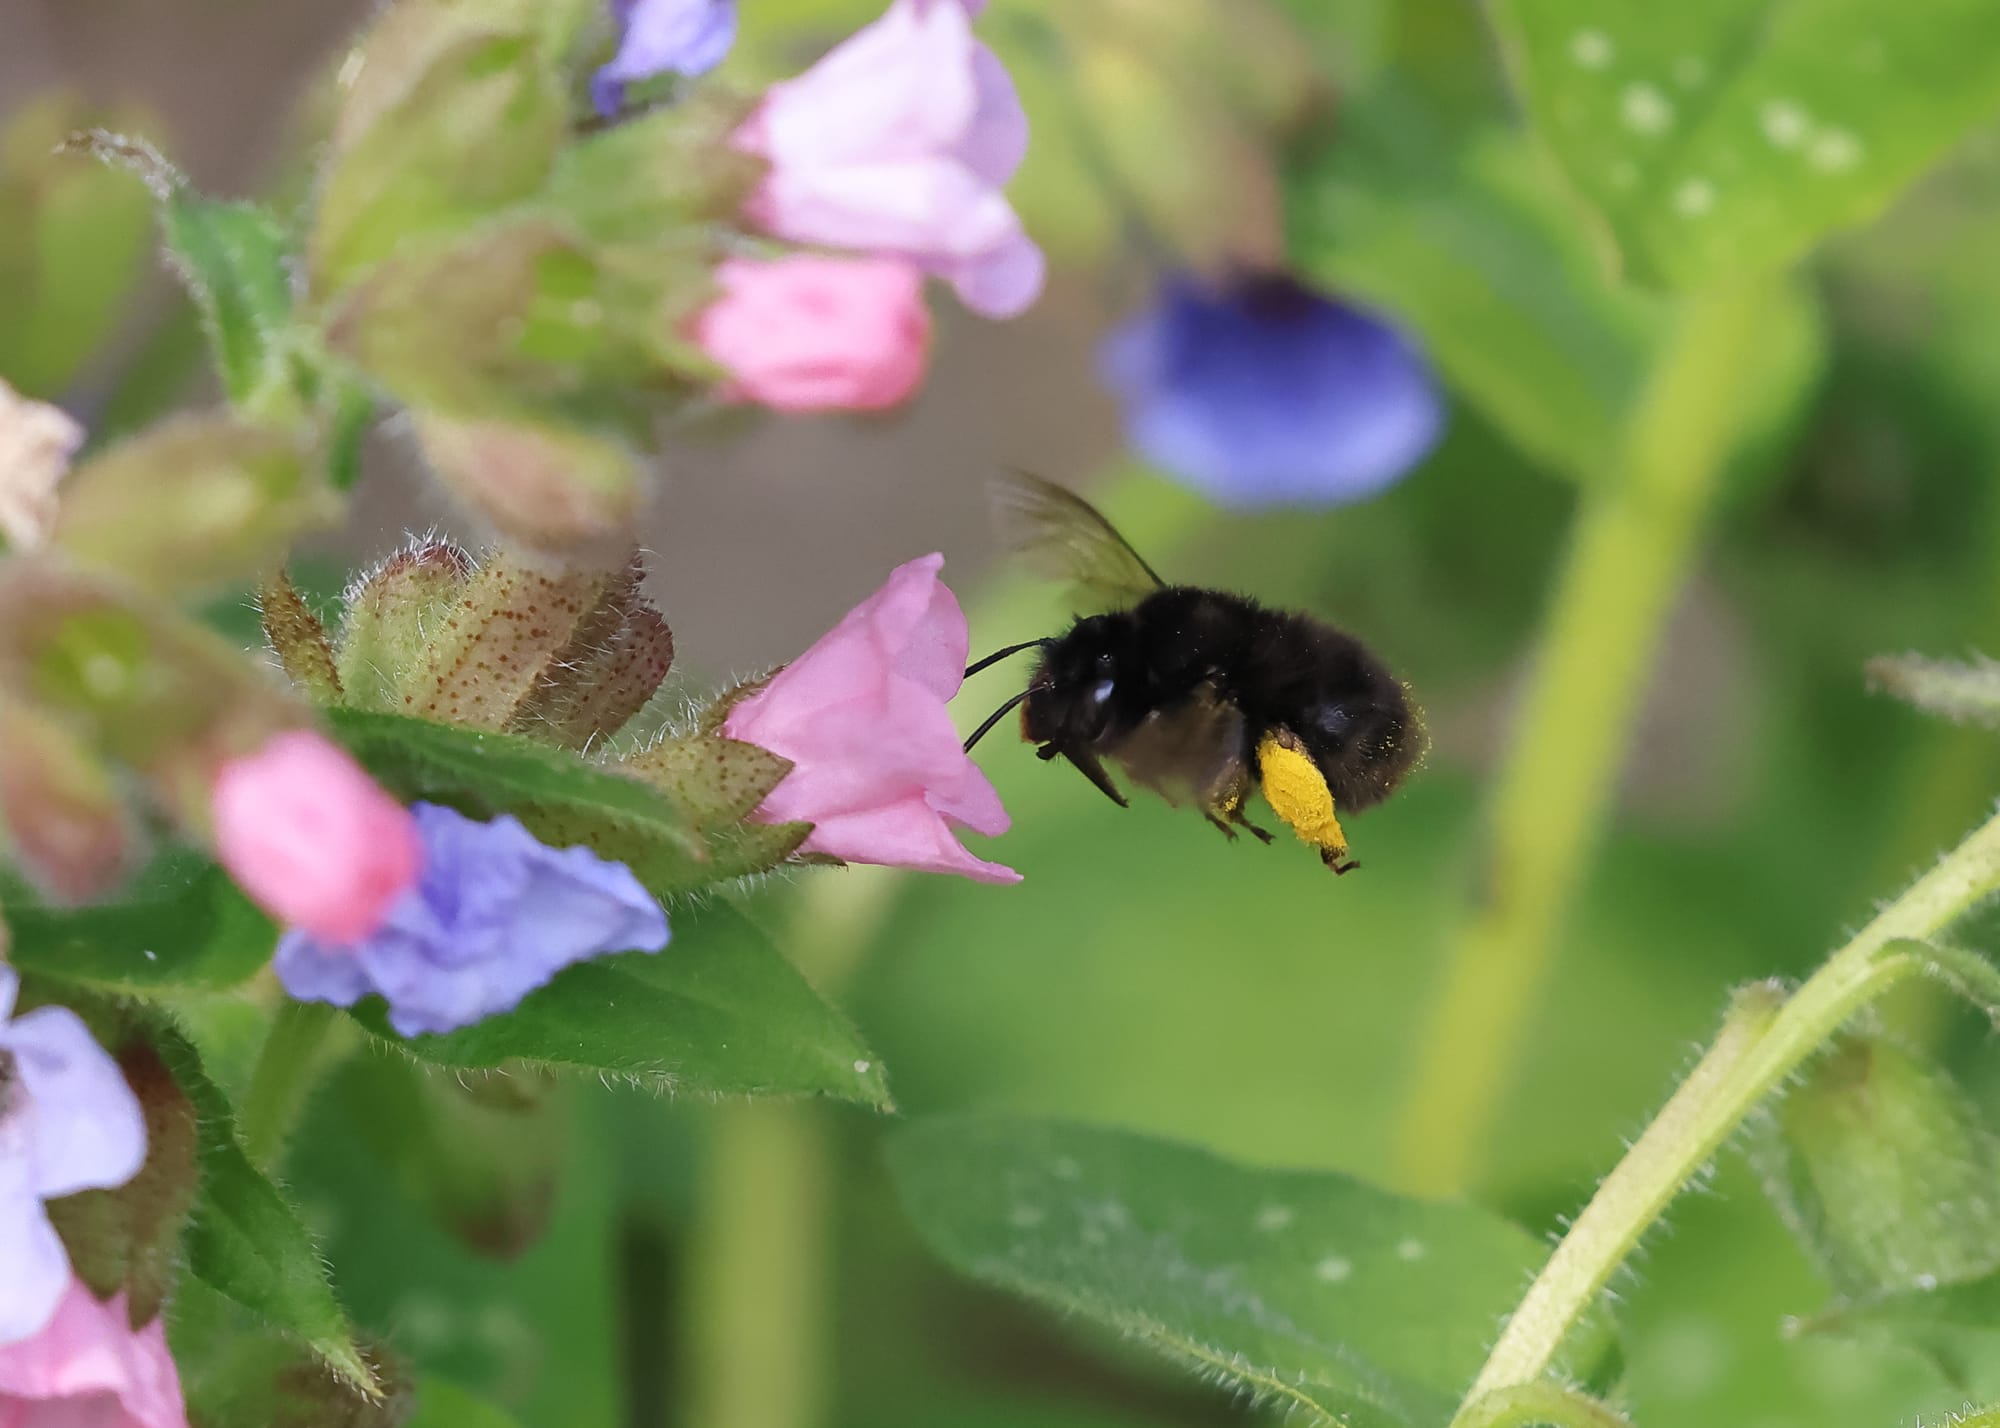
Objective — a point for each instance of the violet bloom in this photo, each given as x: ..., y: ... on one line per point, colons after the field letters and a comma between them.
x: 662, y: 37
x: 877, y: 767
x: 68, y: 1122
x: 1260, y: 392
x: 495, y: 914
x: 898, y: 144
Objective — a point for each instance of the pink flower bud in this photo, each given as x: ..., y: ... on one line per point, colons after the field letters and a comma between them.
x: 807, y: 334
x: 878, y: 769
x: 311, y: 838
x: 88, y: 1365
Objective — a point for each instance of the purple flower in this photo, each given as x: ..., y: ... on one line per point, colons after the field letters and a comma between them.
x: 662, y: 37
x: 68, y: 1122
x: 494, y: 915
x: 1259, y: 392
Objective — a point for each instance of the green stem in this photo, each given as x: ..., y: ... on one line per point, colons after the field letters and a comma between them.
x: 279, y: 1080
x: 1531, y: 1403
x: 1761, y: 1044
x: 759, y: 1331
x: 1636, y: 537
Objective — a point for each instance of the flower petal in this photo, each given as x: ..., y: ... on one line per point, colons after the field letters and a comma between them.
x: 37, y: 1268
x: 906, y: 834
x: 496, y: 914
x: 877, y: 766
x: 688, y: 37
x: 87, y: 1131
x: 902, y: 86
x: 88, y: 1368
x: 1003, y: 282
x: 1260, y: 392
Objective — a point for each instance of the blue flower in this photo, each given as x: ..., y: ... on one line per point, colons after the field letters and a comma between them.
x: 662, y: 37
x: 1258, y: 391
x: 495, y: 914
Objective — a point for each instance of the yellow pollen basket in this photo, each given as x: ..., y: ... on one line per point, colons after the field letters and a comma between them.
x: 1297, y: 793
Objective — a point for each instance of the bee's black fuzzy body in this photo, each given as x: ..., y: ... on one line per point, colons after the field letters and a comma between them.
x: 1108, y: 674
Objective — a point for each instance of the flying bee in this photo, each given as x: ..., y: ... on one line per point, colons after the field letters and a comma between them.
x: 1202, y: 695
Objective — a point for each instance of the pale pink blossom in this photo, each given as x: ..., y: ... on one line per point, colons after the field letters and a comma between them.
x: 311, y: 838
x: 68, y: 1122
x: 898, y: 143
x: 807, y: 334
x: 36, y: 443
x: 88, y: 1368
x: 878, y: 769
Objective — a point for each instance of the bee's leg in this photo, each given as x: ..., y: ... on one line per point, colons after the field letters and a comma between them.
x: 1086, y: 760
x: 1222, y: 824
x: 1297, y: 792
x: 1236, y: 817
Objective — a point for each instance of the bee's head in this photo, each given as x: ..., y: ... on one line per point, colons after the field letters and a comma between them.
x: 1077, y: 685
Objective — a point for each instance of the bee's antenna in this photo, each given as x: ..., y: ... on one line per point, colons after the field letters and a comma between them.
x: 997, y: 715
x: 999, y: 655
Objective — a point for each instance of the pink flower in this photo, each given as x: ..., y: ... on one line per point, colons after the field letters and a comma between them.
x: 898, y: 143
x: 87, y: 1368
x: 877, y: 766
x: 807, y: 334
x: 312, y: 838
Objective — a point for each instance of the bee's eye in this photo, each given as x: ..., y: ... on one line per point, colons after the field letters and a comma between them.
x: 1102, y: 693
x: 1335, y: 719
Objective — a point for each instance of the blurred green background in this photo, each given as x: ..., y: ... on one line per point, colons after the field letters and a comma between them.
x: 724, y: 1267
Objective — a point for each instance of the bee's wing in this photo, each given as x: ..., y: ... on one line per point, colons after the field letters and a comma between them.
x: 1063, y: 536
x: 1193, y: 752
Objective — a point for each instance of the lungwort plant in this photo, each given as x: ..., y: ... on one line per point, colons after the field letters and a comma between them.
x: 452, y: 838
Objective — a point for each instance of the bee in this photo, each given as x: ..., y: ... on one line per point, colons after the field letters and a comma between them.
x: 1201, y: 695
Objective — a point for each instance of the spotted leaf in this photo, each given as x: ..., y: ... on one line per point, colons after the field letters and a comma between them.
x: 1309, y: 1289
x: 1716, y: 136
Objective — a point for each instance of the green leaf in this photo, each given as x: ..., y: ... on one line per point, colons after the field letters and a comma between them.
x: 1459, y: 233
x: 72, y: 250
x: 1956, y: 1326
x: 561, y: 799
x: 1305, y: 1288
x: 233, y: 259
x: 474, y: 128
x: 1715, y: 137
x: 194, y: 932
x: 246, y: 1241
x: 718, y: 1012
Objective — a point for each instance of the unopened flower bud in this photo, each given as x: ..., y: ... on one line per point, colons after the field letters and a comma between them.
x: 1887, y: 1169
x: 62, y: 812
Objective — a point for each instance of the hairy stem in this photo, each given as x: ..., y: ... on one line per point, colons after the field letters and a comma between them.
x: 1635, y: 539
x: 283, y: 1073
x: 1762, y: 1042
x: 1530, y: 1403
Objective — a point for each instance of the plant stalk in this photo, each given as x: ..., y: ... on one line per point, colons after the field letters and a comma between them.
x: 281, y: 1077
x: 1760, y: 1045
x: 1635, y: 540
